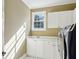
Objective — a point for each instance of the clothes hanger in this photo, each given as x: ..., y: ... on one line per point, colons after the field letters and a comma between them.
x: 72, y: 27
x: 74, y: 21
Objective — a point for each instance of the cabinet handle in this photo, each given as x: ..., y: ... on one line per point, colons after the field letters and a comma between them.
x: 54, y: 45
x: 58, y: 50
x: 35, y: 40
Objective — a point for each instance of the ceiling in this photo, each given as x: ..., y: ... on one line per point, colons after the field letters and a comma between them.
x: 32, y: 4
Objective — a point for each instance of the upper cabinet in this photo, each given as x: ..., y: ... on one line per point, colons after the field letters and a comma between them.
x: 60, y: 19
x: 52, y: 20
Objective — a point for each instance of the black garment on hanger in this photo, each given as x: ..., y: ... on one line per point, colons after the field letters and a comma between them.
x: 65, y: 49
x: 72, y: 43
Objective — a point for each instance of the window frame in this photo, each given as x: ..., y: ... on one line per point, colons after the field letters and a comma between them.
x: 43, y: 13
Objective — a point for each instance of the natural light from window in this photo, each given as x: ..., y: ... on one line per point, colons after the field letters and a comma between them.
x: 13, y: 45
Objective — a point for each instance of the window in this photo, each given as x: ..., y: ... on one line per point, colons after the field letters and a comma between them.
x: 38, y: 21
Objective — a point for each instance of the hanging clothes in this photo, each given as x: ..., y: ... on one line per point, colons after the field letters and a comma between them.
x: 65, y: 49
x: 69, y: 38
x: 72, y: 43
x: 66, y: 32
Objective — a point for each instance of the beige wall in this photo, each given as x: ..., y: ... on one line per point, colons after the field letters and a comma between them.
x: 51, y: 31
x: 16, y: 13
x: 48, y: 32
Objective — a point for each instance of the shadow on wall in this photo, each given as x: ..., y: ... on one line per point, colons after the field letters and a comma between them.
x: 14, y: 44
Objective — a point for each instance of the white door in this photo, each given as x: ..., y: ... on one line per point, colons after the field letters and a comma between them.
x: 51, y: 50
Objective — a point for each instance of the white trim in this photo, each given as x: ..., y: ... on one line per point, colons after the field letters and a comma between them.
x: 31, y: 4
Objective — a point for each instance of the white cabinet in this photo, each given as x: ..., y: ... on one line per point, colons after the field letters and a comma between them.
x: 51, y: 50
x: 52, y: 20
x: 31, y: 48
x: 43, y: 48
x: 60, y: 19
x: 65, y: 18
x: 39, y: 48
x: 35, y: 47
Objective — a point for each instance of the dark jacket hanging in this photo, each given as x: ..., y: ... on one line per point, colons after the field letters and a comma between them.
x: 72, y: 43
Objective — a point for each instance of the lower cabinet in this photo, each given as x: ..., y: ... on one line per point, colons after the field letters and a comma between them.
x: 35, y: 47
x: 51, y: 50
x: 43, y: 48
x: 39, y: 48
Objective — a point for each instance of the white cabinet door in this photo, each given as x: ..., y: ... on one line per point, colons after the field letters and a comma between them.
x: 43, y: 48
x: 52, y: 20
x: 35, y: 47
x: 39, y: 48
x: 51, y: 50
x: 31, y: 47
x: 60, y: 19
x: 65, y: 18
